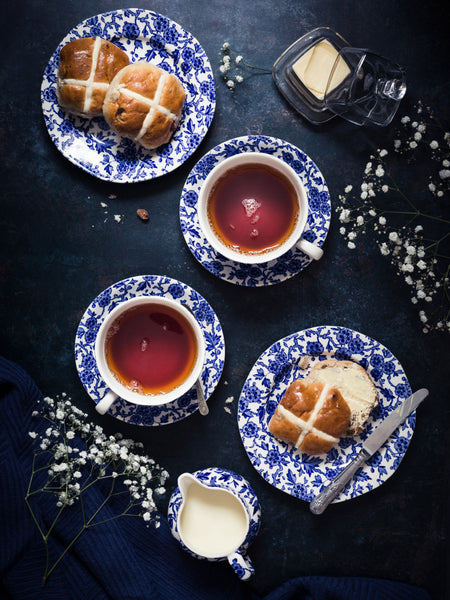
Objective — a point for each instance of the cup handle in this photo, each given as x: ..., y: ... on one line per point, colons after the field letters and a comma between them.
x: 105, y: 403
x: 310, y: 249
x: 241, y: 565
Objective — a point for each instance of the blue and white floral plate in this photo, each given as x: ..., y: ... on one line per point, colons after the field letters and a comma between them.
x: 274, y: 271
x: 90, y: 143
x: 155, y: 285
x: 290, y: 358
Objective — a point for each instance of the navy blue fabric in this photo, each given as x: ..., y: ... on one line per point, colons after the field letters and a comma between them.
x: 346, y: 588
x: 125, y: 559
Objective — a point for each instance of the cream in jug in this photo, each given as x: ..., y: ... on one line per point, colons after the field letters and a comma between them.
x: 213, y: 522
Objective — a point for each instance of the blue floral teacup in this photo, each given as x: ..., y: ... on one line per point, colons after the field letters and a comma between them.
x: 253, y: 208
x: 168, y: 334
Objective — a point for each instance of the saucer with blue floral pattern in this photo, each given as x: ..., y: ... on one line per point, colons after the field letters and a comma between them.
x: 289, y: 264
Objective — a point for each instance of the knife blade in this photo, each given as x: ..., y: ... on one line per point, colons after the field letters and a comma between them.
x: 373, y: 442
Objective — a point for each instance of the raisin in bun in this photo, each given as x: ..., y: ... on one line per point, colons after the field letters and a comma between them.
x: 355, y: 385
x: 144, y: 103
x: 310, y: 416
x: 86, y: 68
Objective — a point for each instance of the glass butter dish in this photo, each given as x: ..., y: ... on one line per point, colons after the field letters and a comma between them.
x: 321, y: 76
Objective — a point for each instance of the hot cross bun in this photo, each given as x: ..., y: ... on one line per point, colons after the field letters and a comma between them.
x: 86, y: 68
x: 144, y: 103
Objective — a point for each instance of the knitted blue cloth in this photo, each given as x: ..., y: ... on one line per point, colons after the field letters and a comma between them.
x: 124, y: 559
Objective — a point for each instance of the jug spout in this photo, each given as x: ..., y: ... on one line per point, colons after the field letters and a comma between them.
x: 185, y: 480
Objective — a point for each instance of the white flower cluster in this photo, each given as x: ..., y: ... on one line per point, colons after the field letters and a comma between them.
x: 423, y: 135
x: 233, y: 68
x: 75, y: 454
x: 415, y: 241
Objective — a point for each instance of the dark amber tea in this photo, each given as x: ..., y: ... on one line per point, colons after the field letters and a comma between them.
x: 151, y: 348
x: 253, y: 208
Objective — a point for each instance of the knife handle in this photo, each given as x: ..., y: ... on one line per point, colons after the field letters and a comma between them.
x: 322, y: 500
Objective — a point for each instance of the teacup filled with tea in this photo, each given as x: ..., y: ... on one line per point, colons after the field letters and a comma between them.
x: 253, y: 208
x: 149, y: 351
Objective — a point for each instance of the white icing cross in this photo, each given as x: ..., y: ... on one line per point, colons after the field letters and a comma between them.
x: 89, y: 83
x: 307, y: 426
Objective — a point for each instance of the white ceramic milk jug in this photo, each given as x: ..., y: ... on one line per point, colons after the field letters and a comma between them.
x: 215, y: 515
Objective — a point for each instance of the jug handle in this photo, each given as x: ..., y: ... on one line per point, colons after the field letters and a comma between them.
x: 241, y: 565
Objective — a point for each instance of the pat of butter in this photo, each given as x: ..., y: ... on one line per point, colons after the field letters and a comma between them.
x: 314, y: 67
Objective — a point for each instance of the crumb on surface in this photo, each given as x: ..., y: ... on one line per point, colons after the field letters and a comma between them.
x: 142, y: 213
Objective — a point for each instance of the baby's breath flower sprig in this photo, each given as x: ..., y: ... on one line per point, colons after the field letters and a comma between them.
x: 233, y: 67
x: 417, y: 242
x: 424, y: 138
x: 72, y: 455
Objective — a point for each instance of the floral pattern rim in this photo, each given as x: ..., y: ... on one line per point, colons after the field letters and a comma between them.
x: 298, y: 474
x: 220, y: 478
x: 158, y: 286
x: 90, y: 143
x: 293, y: 261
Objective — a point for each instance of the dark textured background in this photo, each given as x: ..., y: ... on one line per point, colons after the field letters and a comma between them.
x: 58, y: 253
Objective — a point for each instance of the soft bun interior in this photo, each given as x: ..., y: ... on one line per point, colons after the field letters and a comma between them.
x: 355, y: 386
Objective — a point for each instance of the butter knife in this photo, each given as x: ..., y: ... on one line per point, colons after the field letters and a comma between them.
x: 374, y: 441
